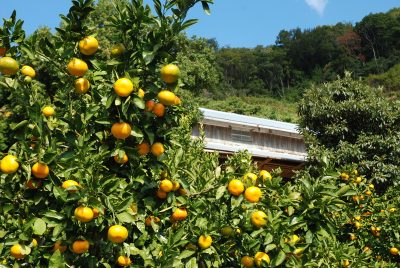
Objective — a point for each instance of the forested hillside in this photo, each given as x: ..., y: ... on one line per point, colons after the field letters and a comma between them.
x: 369, y: 50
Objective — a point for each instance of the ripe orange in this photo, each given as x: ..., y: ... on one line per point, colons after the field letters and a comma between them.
x: 344, y: 176
x: 28, y: 71
x: 247, y: 261
x: 48, y: 111
x: 80, y: 246
x: 265, y: 175
x: 149, y: 105
x: 345, y: 263
x: 83, y: 214
x: 151, y: 219
x: 177, y: 100
x: 394, y: 251
x: 34, y: 243
x: 8, y: 66
x: 161, y: 194
x: 123, y: 87
x: 121, y: 130
x: 9, y: 164
x: 170, y: 73
x: 117, y: 234
x: 159, y: 110
x: 235, y: 187
x: 58, y: 246
x: 143, y: 148
x: 117, y: 50
x: 358, y: 180
x: 253, y: 194
x: 33, y: 184
x: 157, y: 149
x: 357, y: 224
x: 166, y: 97
x: 175, y: 186
x: 368, y: 192
x: 179, y: 214
x: 261, y: 257
x: 88, y: 45
x: 96, y: 213
x: 82, y: 85
x: 3, y: 51
x: 352, y: 237
x: 69, y: 183
x: 122, y: 160
x: 77, y: 67
x: 166, y: 185
x: 124, y: 261
x: 16, y: 251
x: 204, y: 241
x: 141, y: 93
x: 40, y: 170
x: 258, y: 218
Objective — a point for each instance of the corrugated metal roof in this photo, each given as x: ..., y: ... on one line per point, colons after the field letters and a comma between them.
x: 250, y: 121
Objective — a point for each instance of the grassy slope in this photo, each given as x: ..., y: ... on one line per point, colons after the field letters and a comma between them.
x: 259, y: 106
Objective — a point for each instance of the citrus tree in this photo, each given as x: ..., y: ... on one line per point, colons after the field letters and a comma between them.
x: 99, y: 169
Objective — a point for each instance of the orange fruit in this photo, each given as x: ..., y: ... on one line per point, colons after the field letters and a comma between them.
x: 392, y: 210
x: 28, y: 71
x: 58, y: 246
x: 117, y: 50
x: 358, y: 180
x: 357, y: 224
x: 77, y: 67
x: 34, y: 243
x: 48, y: 111
x: 122, y: 160
x: 166, y: 97
x: 96, y: 213
x: 124, y: 261
x: 182, y: 191
x: 177, y: 100
x: 261, y: 257
x: 88, y: 45
x: 352, y: 237
x: 151, y: 219
x: 157, y: 149
x: 250, y: 177
x: 8, y: 66
x: 16, y: 251
x: 161, y: 194
x: 69, y: 183
x: 121, y: 130
x: 345, y: 263
x: 344, y: 176
x: 253, y: 194
x: 265, y: 175
x: 117, y: 234
x: 204, y: 241
x: 235, y: 187
x: 368, y: 192
x: 170, y: 73
x: 394, y: 251
x: 258, y: 218
x: 143, y: 148
x: 80, y: 246
x: 166, y: 185
x: 123, y: 87
x: 9, y: 164
x: 33, y: 184
x: 3, y: 51
x: 141, y: 93
x: 247, y: 261
x: 83, y: 214
x: 179, y: 214
x: 175, y: 186
x: 159, y: 110
x: 150, y: 105
x: 82, y: 85
x: 40, y: 170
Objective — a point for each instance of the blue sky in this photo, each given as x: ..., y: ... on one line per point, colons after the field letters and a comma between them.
x: 235, y: 23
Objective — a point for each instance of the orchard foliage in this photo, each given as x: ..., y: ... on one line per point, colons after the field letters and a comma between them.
x: 107, y: 174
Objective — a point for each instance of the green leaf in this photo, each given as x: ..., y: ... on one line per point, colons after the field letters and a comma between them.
x: 185, y: 254
x: 139, y: 103
x: 125, y: 217
x: 56, y: 260
x: 220, y: 192
x: 279, y: 259
x: 39, y: 227
x: 206, y: 7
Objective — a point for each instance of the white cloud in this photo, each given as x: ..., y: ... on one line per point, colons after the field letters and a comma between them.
x: 317, y: 5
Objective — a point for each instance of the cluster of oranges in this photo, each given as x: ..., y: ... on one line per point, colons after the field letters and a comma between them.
x: 123, y: 87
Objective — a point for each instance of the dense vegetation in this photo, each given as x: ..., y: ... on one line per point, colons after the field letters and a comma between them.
x: 79, y: 188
